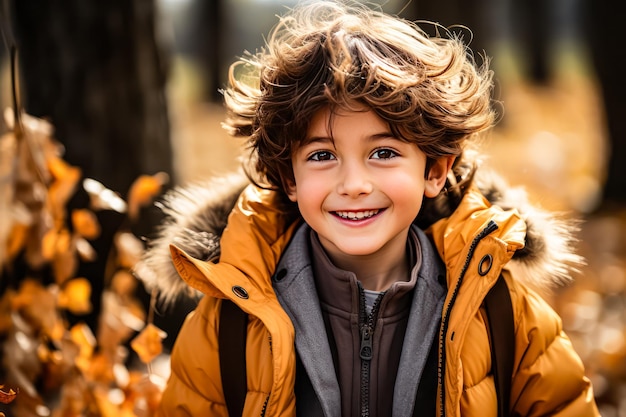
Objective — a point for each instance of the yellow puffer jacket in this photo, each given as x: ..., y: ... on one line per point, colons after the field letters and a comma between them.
x: 548, y: 375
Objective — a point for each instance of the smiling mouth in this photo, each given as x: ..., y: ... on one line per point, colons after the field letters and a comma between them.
x: 357, y: 215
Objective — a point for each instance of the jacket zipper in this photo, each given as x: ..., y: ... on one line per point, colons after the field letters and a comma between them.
x: 267, y: 399
x: 264, y: 409
x: 367, y: 323
x: 443, y: 330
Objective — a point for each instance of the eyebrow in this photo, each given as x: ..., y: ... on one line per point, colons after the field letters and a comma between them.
x: 325, y: 139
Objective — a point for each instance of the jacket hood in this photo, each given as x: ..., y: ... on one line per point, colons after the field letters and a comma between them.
x: 195, y: 217
x: 197, y: 214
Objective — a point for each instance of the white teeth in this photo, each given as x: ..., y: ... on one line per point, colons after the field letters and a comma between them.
x: 356, y: 215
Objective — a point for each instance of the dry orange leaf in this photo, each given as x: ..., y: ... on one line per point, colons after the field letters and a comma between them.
x: 59, y: 168
x: 111, y: 403
x: 100, y: 369
x: 75, y: 296
x: 37, y: 304
x: 148, y: 391
x: 62, y: 189
x: 84, y: 339
x: 59, y: 246
x: 123, y: 283
x: 26, y: 296
x: 101, y: 198
x: 6, y: 320
x: 144, y: 190
x: 148, y: 344
x: 129, y: 248
x: 55, y: 242
x: 64, y: 265
x: 85, y: 223
x: 7, y: 396
x: 49, y: 244
x: 56, y: 331
x: 85, y: 250
x: 17, y: 239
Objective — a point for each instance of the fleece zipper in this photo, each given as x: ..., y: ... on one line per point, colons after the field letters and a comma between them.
x: 441, y: 366
x: 367, y: 324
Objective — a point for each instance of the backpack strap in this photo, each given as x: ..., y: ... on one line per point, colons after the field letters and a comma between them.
x: 502, y: 330
x: 232, y: 351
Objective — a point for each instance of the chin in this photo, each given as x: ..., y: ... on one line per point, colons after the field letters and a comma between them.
x: 358, y: 250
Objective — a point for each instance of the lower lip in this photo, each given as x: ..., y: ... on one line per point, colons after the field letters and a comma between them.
x: 361, y: 222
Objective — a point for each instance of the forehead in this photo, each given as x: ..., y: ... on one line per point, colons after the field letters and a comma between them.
x: 327, y: 122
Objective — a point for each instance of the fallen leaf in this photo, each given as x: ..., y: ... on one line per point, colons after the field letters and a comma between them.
x: 101, y: 198
x: 38, y: 306
x: 143, y: 191
x: 85, y: 250
x: 85, y: 340
x: 7, y: 396
x: 148, y: 391
x: 56, y: 241
x: 60, y: 191
x: 123, y: 283
x: 129, y: 249
x: 148, y: 343
x: 75, y: 296
x: 65, y: 262
x: 86, y: 223
x: 17, y: 239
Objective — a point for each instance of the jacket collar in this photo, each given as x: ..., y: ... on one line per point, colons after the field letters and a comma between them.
x: 297, y: 293
x: 196, y: 216
x: 295, y: 289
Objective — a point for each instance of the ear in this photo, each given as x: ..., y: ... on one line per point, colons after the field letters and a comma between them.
x: 290, y: 189
x: 436, y: 176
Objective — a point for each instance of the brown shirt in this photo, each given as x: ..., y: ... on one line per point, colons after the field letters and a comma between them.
x: 344, y: 315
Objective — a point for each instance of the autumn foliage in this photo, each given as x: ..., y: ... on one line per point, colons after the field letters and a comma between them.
x: 53, y: 366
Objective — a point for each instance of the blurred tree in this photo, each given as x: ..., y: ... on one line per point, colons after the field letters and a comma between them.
x: 532, y: 29
x: 211, y: 44
x: 95, y: 70
x: 479, y: 16
x: 605, y: 35
x: 198, y: 30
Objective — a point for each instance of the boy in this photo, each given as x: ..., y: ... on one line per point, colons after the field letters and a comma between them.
x: 364, y: 252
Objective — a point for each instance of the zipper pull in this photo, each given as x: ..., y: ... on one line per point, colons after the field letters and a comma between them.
x: 366, y: 343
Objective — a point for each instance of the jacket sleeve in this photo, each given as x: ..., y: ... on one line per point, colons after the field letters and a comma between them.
x: 193, y: 389
x: 259, y: 229
x: 549, y: 376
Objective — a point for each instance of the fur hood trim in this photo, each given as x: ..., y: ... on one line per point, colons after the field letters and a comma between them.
x: 549, y: 258
x: 195, y: 217
x: 197, y: 214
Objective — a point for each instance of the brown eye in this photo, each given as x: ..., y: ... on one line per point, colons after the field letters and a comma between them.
x: 321, y: 156
x: 384, y: 154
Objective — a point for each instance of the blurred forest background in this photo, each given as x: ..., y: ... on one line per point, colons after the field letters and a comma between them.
x: 131, y: 88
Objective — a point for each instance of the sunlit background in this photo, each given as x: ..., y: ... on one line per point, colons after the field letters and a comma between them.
x: 555, y: 90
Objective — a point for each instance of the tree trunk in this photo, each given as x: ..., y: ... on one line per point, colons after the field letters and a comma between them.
x: 476, y: 15
x: 605, y: 35
x: 94, y: 69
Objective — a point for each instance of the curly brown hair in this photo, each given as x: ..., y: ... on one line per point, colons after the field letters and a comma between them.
x: 429, y: 89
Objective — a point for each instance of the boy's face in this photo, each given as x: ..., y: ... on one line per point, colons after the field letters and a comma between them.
x: 361, y: 190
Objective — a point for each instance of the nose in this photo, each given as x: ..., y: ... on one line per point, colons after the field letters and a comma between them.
x: 354, y: 179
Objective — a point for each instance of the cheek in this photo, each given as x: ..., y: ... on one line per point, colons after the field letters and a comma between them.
x: 311, y: 190
x: 406, y: 191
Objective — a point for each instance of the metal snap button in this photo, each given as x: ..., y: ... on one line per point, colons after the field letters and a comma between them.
x: 485, y: 264
x: 282, y: 273
x: 240, y: 292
